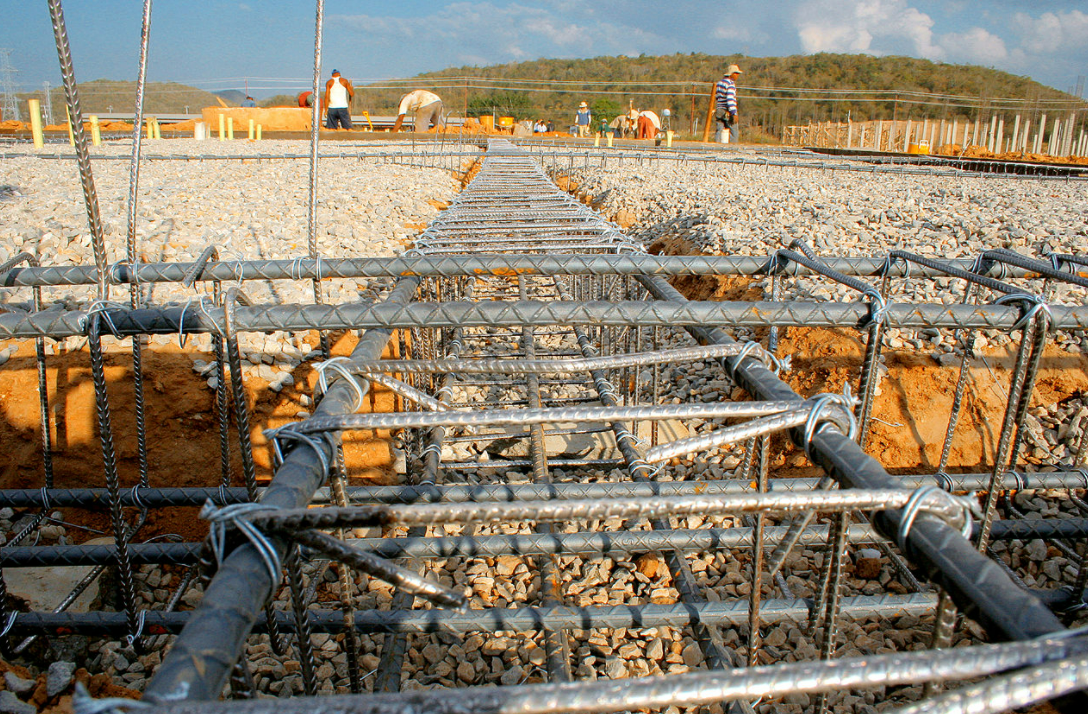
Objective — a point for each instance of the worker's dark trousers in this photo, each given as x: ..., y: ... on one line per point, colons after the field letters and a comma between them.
x: 339, y: 117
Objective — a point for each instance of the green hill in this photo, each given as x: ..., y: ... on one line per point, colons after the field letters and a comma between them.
x: 774, y: 91
x: 104, y: 96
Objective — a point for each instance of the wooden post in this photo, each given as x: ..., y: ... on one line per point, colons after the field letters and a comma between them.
x: 709, y: 117
x: 222, y: 127
x: 96, y: 135
x: 230, y: 128
x: 849, y: 134
x: 999, y: 140
x: 258, y: 132
x: 906, y: 138
x: 1040, y: 135
x: 991, y: 139
x: 1015, y: 134
x: 251, y: 130
x: 71, y: 134
x: 1052, y: 147
x: 35, y: 110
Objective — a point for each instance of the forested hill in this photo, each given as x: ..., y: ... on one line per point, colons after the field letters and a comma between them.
x: 877, y: 87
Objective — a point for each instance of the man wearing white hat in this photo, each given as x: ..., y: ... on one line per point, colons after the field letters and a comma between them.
x: 582, y: 119
x: 725, y: 105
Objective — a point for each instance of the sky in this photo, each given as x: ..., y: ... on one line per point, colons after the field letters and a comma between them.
x: 220, y: 44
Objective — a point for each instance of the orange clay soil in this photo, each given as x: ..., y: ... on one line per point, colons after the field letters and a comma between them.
x: 182, y: 428
x: 912, y: 410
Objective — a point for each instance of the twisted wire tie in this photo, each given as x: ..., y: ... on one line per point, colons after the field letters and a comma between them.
x: 222, y: 494
x: 816, y: 417
x: 45, y: 498
x: 1020, y: 485
x: 100, y: 308
x: 9, y: 624
x: 944, y: 481
x: 135, y: 494
x: 336, y: 364
x: 878, y: 309
x: 1027, y: 315
x: 141, y: 619
x: 237, y: 516
x: 288, y: 432
x: 914, y: 506
x: 432, y: 448
x: 1084, y: 474
x: 84, y: 703
x: 111, y: 272
x: 203, y: 307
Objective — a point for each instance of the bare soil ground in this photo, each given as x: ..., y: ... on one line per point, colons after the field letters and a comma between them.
x: 911, y: 412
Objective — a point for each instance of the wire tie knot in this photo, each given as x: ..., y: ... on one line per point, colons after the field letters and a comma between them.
x: 289, y: 432
x: 237, y: 516
x: 917, y: 504
x: 141, y: 619
x: 1027, y: 313
x: 100, y: 309
x: 834, y: 408
x: 337, y: 365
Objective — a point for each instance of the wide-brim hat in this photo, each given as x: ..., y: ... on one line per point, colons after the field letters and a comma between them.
x: 733, y: 69
x: 583, y: 105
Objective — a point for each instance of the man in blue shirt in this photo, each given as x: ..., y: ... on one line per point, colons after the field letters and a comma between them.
x: 725, y: 105
x: 582, y: 119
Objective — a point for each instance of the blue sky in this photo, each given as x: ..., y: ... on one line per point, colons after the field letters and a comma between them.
x: 214, y: 44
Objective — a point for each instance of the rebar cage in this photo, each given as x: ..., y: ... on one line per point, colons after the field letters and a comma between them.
x: 574, y: 517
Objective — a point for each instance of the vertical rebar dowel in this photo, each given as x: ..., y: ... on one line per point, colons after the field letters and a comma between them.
x: 133, y: 256
x: 315, y: 130
x: 870, y: 375
x: 241, y: 680
x: 109, y: 462
x: 836, y: 551
x: 944, y: 623
x: 1039, y: 338
x: 347, y: 581
x: 1019, y: 393
x: 756, y: 593
x: 83, y: 156
x: 557, y: 648
x: 222, y: 409
x: 302, y: 622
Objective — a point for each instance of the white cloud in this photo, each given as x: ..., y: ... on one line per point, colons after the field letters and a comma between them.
x: 875, y: 27
x: 976, y: 46
x: 1053, y: 33
x: 489, y: 32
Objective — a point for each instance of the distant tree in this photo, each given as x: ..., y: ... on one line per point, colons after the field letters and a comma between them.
x: 605, y: 108
x: 514, y: 104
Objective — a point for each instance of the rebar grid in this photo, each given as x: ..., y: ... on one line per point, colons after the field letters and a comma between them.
x: 603, y: 318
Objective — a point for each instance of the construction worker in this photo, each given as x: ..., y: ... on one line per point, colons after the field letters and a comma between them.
x: 337, y: 101
x: 427, y: 107
x: 725, y: 105
x: 582, y: 119
x: 648, y: 124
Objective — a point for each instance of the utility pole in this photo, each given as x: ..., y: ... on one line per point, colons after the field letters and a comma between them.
x: 47, y: 103
x: 10, y: 108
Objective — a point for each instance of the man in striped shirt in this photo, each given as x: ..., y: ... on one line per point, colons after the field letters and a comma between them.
x: 725, y: 105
